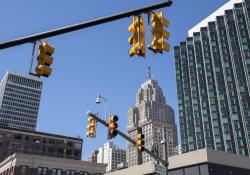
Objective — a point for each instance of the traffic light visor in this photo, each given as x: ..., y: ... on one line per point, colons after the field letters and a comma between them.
x: 113, y: 126
x: 113, y: 118
x: 140, y: 136
x: 43, y: 70
x: 45, y: 47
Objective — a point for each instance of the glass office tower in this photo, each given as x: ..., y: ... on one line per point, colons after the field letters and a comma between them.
x: 213, y: 81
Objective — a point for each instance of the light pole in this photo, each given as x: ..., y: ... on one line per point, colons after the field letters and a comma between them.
x: 164, y: 143
x: 98, y: 101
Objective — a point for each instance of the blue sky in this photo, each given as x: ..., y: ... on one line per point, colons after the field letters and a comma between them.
x: 93, y: 59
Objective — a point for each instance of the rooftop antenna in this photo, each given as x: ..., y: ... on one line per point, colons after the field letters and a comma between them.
x: 149, y: 73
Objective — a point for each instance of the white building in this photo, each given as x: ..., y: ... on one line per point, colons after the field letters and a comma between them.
x: 153, y: 115
x: 111, y: 155
x: 19, y: 100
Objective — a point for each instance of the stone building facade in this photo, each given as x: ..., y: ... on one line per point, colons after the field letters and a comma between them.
x: 28, y: 164
x: 152, y: 114
x: 32, y: 142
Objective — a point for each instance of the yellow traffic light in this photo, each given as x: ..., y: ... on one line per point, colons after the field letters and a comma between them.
x: 45, y: 59
x: 91, y: 127
x: 112, y: 128
x: 137, y: 40
x: 140, y: 142
x: 158, y: 44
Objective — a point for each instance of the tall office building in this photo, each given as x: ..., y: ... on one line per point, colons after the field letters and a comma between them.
x: 19, y: 101
x: 111, y: 155
x: 213, y: 81
x: 152, y: 114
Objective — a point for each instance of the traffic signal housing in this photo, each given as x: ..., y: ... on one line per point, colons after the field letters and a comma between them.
x: 140, y: 142
x: 91, y: 127
x: 159, y: 34
x: 137, y: 40
x: 112, y: 128
x: 45, y: 59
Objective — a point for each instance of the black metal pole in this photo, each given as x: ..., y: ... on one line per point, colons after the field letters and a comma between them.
x: 82, y: 25
x: 127, y: 138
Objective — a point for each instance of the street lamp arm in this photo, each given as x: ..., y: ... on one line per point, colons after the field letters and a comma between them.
x: 105, y: 100
x: 98, y: 101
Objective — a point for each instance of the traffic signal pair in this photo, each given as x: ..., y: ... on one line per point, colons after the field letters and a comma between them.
x: 159, y: 35
x: 45, y: 59
x: 112, y: 127
x: 91, y: 127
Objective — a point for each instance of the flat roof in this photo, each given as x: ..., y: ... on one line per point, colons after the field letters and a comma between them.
x: 20, y: 75
x: 188, y: 159
x: 209, y: 156
x: 35, y: 161
x: 145, y: 168
x: 28, y: 132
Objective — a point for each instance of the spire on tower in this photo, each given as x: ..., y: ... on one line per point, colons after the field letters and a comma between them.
x: 149, y: 73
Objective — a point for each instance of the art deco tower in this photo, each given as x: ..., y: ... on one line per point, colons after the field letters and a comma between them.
x: 151, y: 113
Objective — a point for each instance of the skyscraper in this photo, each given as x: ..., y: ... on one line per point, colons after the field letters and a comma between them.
x: 152, y: 114
x: 213, y: 81
x: 19, y: 101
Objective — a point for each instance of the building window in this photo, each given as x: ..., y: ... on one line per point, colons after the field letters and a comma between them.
x: 77, y: 145
x: 18, y: 137
x: 84, y: 173
x: 70, y: 172
x: 23, y: 169
x: 56, y: 171
x: 42, y: 171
